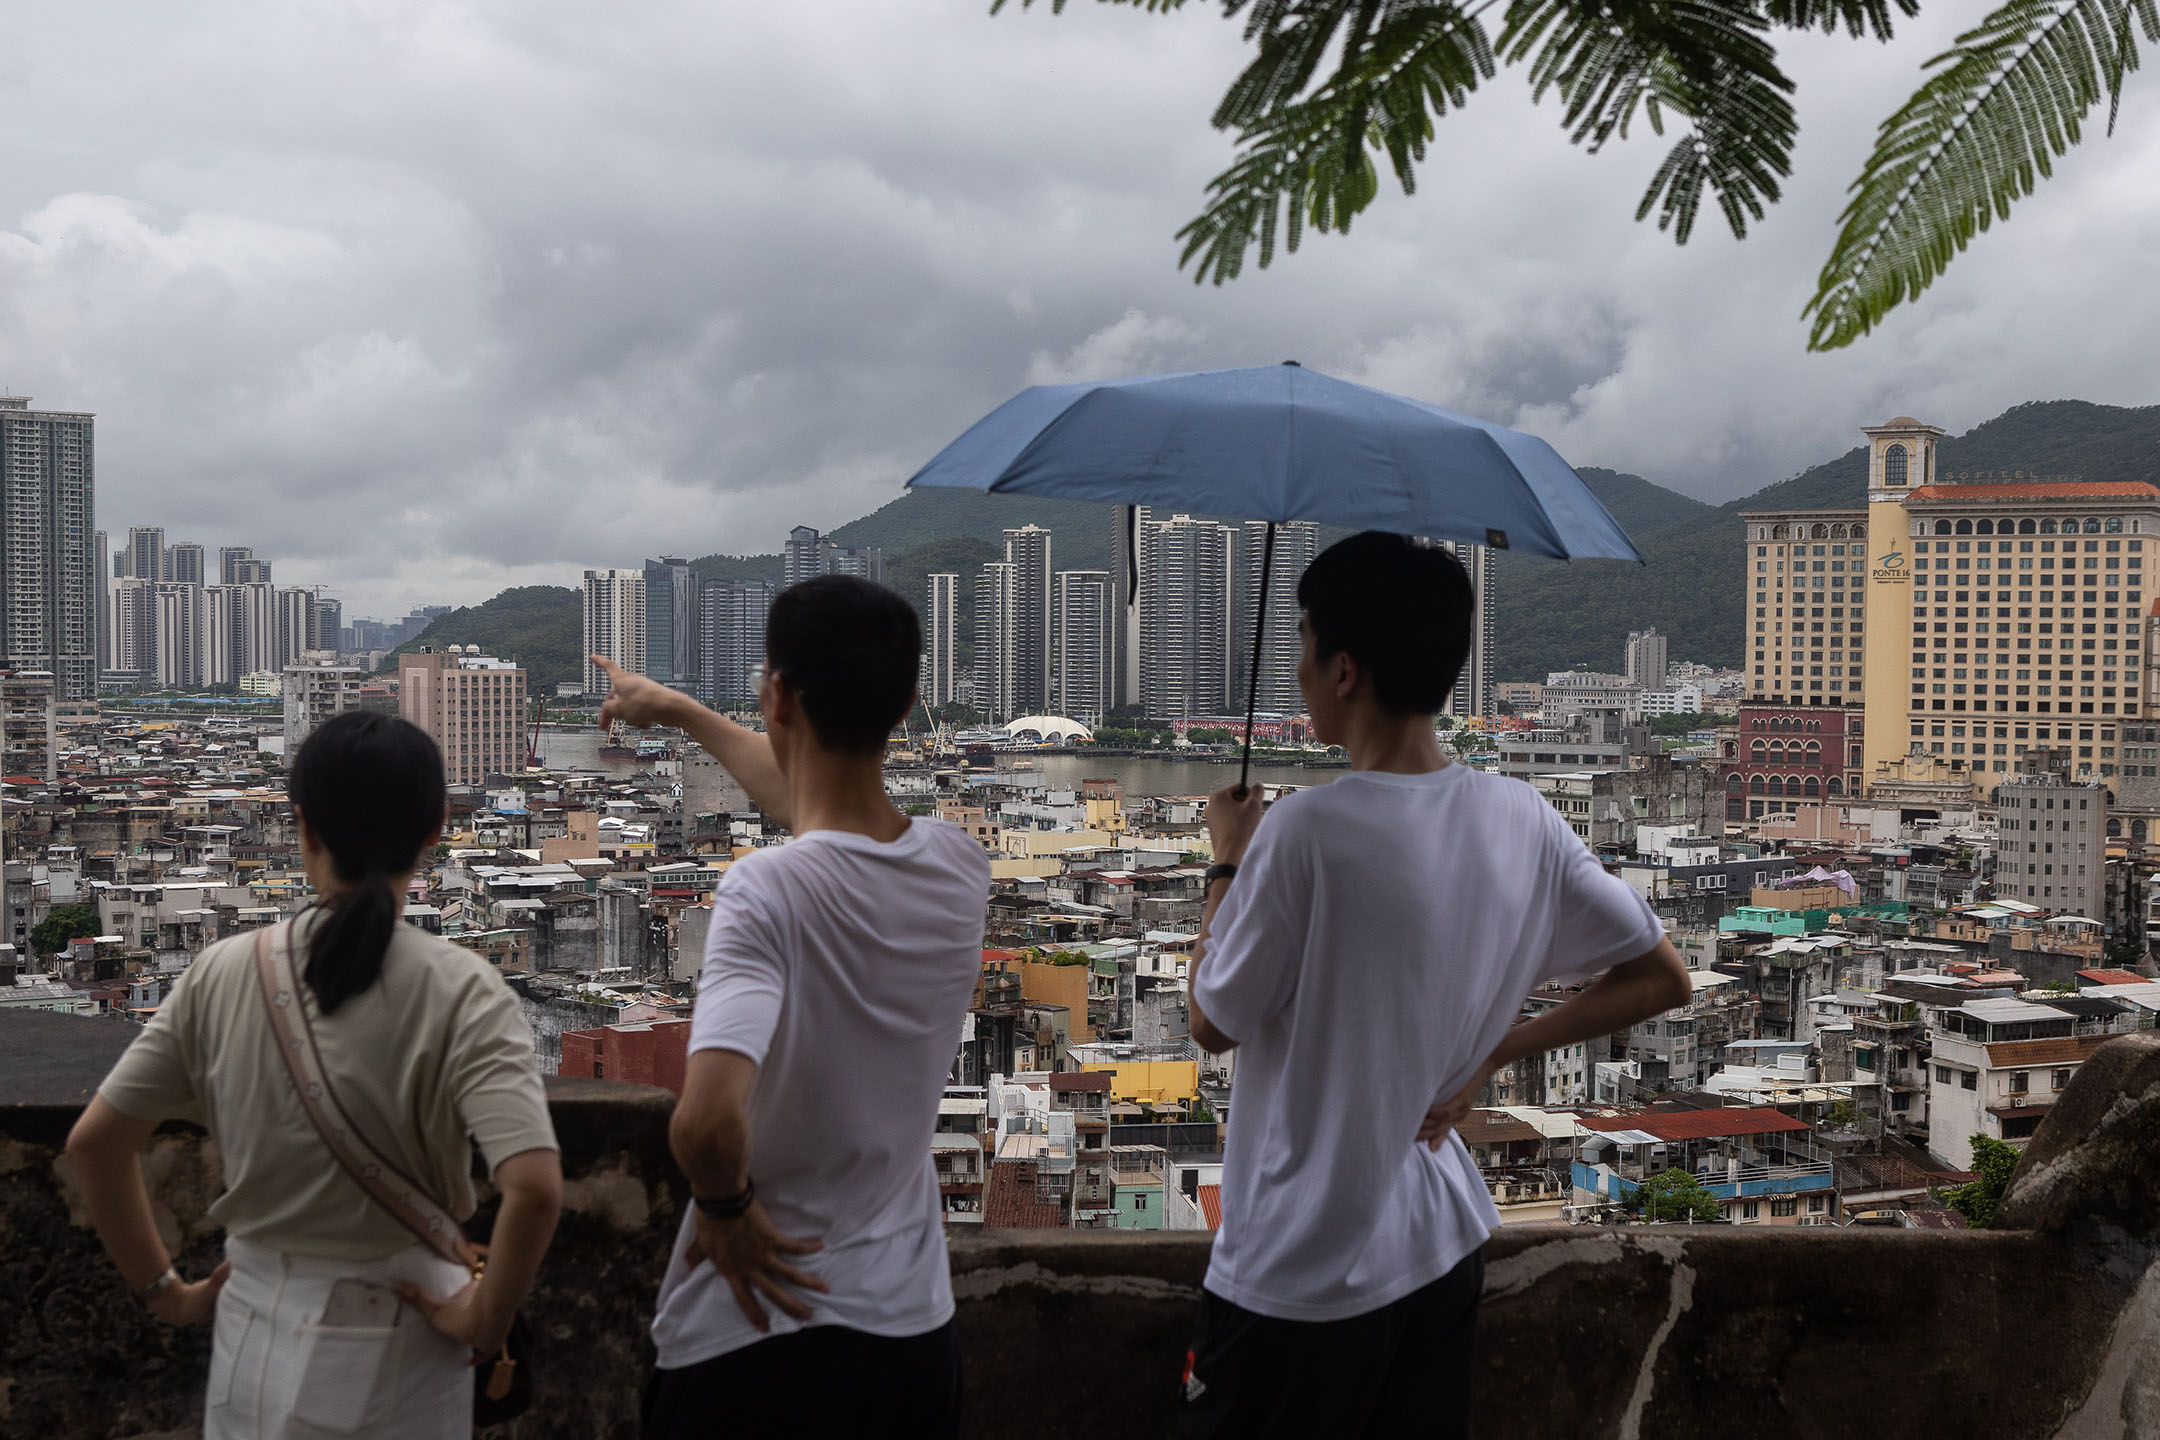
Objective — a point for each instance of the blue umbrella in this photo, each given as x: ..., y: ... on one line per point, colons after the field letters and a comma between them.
x: 1281, y: 443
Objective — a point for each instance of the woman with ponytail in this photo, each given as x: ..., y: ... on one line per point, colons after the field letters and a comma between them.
x: 330, y: 1317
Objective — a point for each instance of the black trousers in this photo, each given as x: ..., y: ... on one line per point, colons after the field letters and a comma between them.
x: 1401, y: 1370
x: 826, y: 1380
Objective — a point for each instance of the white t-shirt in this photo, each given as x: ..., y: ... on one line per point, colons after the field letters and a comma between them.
x: 843, y: 966
x: 1377, y: 942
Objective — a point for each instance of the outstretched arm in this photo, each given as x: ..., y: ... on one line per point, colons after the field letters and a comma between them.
x: 640, y: 702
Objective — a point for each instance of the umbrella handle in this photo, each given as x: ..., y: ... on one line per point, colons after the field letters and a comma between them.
x: 1259, y: 629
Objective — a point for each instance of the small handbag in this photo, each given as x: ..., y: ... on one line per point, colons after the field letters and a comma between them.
x: 502, y: 1385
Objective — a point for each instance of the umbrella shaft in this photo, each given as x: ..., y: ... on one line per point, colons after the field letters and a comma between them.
x: 1259, y: 630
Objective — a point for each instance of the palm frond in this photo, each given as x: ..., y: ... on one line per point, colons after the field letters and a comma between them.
x: 2006, y: 100
x: 1705, y: 61
x: 1310, y: 162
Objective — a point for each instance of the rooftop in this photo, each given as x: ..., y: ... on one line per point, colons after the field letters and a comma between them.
x: 2015, y: 491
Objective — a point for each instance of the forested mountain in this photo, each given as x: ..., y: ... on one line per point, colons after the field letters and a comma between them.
x: 1549, y: 614
x: 539, y: 626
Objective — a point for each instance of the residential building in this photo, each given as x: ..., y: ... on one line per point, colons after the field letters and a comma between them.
x: 996, y: 602
x: 1997, y: 1066
x: 473, y: 704
x: 614, y: 623
x: 330, y: 629
x: 672, y: 612
x: 180, y: 636
x: 146, y: 552
x: 101, y: 576
x: 1027, y: 619
x: 1759, y: 1164
x: 731, y: 639
x: 183, y: 563
x: 1295, y: 545
x: 1474, y: 693
x: 1080, y: 645
x: 941, y: 640
x: 256, y: 629
x: 314, y: 692
x: 29, y: 742
x: 807, y: 554
x: 296, y: 636
x: 237, y: 565
x: 1127, y: 562
x: 1185, y: 617
x: 47, y: 546
x: 2051, y: 836
x: 1646, y: 659
x: 132, y: 609
x: 1679, y: 700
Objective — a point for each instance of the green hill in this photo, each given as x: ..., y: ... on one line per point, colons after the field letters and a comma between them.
x: 542, y: 627
x: 1549, y: 615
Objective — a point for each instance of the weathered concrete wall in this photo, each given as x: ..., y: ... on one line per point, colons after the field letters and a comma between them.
x: 2052, y: 1330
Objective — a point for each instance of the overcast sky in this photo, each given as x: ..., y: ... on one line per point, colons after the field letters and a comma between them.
x: 422, y: 300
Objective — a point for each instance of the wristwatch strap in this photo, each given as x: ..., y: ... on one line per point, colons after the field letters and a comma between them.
x: 728, y: 1207
x: 1220, y: 870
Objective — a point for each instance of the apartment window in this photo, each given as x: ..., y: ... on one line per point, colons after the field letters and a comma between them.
x: 1785, y: 1207
x: 2062, y: 1079
x: 1969, y: 1079
x: 1751, y: 1210
x: 1817, y: 1204
x: 2021, y: 1083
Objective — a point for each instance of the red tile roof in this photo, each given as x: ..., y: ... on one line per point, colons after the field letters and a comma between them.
x: 2112, y: 977
x: 1697, y: 1124
x: 2042, y: 490
x: 1211, y: 1205
x: 1010, y: 1201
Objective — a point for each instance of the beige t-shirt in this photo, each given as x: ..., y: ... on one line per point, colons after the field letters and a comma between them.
x: 434, y: 1052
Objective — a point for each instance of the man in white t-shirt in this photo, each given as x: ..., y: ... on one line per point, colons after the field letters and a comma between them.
x: 809, y: 1291
x: 1368, y: 949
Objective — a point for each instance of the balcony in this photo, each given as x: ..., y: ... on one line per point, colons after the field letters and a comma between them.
x: 2045, y: 1330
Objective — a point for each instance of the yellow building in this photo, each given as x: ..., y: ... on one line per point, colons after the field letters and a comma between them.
x: 1979, y: 615
x: 1159, y: 1082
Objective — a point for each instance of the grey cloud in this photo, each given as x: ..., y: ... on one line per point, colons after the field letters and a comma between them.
x: 425, y: 299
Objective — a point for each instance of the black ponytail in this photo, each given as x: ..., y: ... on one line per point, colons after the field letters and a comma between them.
x: 370, y: 787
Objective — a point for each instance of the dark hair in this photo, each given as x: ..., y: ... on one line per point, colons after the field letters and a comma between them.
x: 852, y: 650
x: 1399, y: 607
x: 370, y: 787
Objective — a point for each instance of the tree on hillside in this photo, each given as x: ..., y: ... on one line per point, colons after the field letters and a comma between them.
x: 1995, y: 111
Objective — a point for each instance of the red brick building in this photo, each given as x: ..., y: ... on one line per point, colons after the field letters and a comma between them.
x: 654, y: 1053
x: 1784, y: 756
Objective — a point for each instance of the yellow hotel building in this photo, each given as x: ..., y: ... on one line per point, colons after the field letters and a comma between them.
x: 1972, y: 619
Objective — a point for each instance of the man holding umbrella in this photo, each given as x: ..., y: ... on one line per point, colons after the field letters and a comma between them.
x: 1367, y: 948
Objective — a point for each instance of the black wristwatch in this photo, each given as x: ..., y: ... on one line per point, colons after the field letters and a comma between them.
x: 728, y: 1207
x: 1220, y: 870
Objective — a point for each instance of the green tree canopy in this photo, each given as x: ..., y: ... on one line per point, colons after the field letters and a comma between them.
x: 1675, y: 1195
x: 1986, y: 124
x: 63, y: 923
x: 1992, y: 1163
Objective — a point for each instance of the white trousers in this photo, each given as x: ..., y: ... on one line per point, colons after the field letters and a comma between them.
x: 278, y: 1373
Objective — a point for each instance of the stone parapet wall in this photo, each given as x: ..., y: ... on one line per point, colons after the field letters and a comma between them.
x: 2049, y: 1330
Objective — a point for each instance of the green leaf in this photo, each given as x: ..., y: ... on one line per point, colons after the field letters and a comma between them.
x: 1979, y: 134
x: 1859, y: 17
x: 1414, y: 63
x: 1705, y: 61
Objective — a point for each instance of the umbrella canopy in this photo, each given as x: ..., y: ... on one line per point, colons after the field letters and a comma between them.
x: 1283, y: 443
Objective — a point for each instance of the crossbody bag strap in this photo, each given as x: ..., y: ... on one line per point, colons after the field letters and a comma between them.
x: 369, y: 1168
